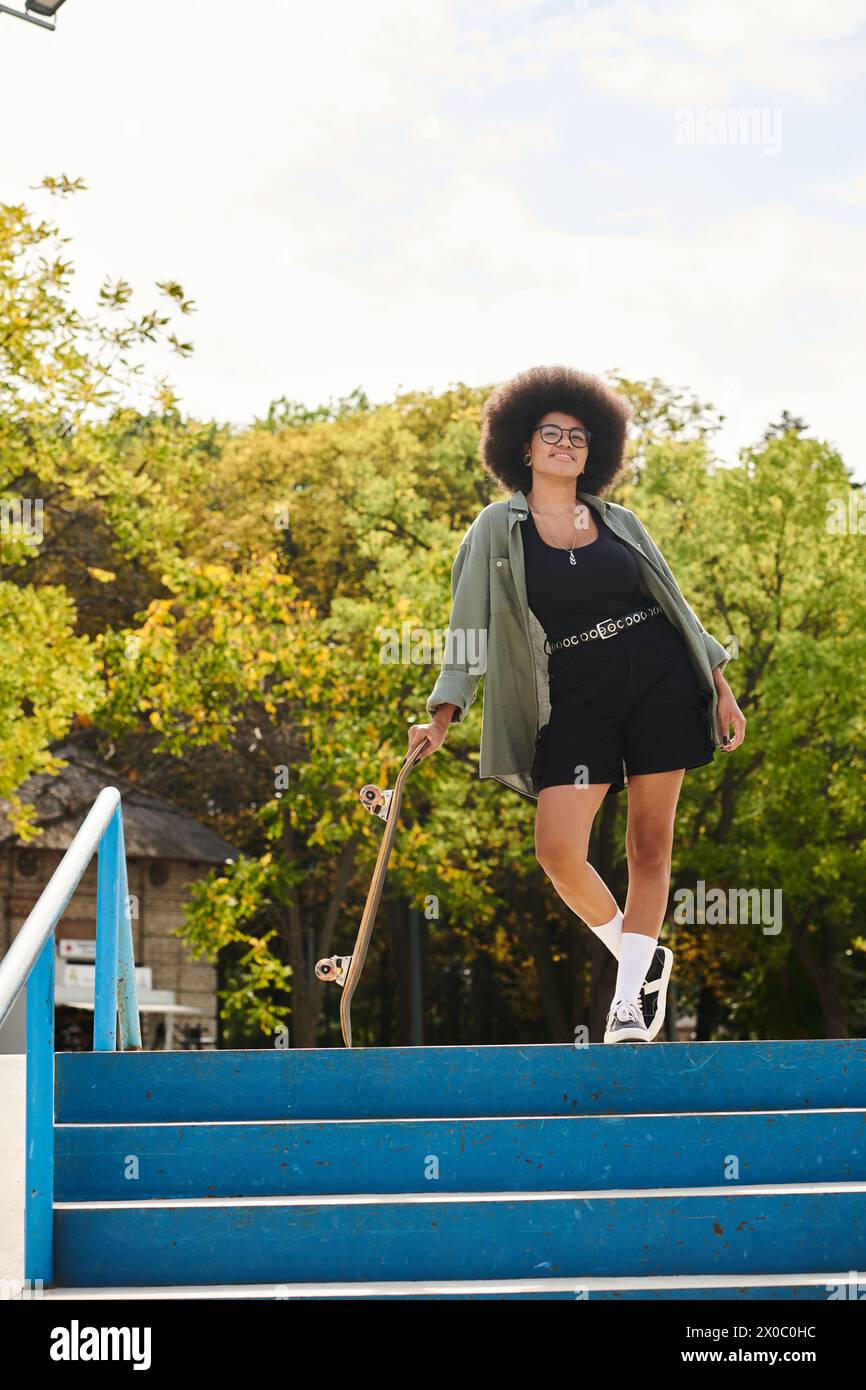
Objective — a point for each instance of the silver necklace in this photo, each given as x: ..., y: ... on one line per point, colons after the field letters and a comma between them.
x: 570, y: 548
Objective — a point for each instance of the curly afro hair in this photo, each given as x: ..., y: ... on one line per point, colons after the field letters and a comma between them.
x: 514, y: 408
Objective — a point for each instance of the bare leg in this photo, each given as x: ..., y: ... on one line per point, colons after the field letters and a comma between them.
x: 563, y: 822
x: 652, y: 806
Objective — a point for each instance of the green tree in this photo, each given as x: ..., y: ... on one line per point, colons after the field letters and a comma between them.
x: 66, y: 485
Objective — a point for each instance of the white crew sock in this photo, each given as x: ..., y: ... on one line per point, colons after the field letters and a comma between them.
x: 610, y: 933
x: 635, y: 955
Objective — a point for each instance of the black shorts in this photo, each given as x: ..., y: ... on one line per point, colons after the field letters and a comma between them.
x: 628, y: 704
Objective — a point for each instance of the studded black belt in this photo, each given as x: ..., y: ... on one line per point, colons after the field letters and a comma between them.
x: 608, y: 627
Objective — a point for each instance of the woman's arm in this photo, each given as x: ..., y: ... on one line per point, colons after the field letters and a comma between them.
x: 465, y: 659
x: 728, y: 711
x: 718, y: 655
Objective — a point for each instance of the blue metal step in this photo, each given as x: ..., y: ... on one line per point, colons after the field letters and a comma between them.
x: 459, y: 1082
x: 281, y: 1157
x: 786, y: 1229
x: 763, y: 1287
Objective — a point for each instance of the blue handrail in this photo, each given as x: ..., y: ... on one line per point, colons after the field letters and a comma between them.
x: 29, y: 965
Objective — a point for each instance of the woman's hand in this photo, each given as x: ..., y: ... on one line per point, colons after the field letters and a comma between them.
x: 729, y: 713
x: 434, y: 732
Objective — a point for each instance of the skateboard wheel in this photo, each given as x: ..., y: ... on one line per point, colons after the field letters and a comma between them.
x: 333, y: 968
x: 376, y: 800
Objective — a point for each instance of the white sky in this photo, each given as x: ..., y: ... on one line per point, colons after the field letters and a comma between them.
x: 397, y: 194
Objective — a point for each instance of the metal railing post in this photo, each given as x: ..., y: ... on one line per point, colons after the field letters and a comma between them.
x: 127, y: 995
x: 28, y: 966
x: 107, y: 933
x: 39, y: 1153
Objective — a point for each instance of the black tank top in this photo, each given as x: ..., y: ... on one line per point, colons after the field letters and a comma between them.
x: 604, y: 582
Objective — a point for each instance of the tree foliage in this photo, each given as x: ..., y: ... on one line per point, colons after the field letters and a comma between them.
x: 246, y: 620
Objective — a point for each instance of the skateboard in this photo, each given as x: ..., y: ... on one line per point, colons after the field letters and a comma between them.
x: 346, y: 970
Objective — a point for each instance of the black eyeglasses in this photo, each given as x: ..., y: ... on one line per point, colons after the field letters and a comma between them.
x: 551, y: 434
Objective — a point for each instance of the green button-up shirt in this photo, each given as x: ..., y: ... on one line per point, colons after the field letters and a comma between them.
x: 493, y: 632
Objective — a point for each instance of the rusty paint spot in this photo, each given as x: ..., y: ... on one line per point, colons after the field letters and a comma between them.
x: 718, y: 1229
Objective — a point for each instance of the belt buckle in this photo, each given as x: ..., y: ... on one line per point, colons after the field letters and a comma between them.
x: 608, y: 622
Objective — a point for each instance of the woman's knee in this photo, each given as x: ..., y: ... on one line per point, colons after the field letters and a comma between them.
x: 560, y: 858
x: 649, y: 849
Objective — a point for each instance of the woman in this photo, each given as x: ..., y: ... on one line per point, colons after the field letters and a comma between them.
x: 597, y: 669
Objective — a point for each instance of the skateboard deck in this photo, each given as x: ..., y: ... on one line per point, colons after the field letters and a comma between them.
x: 346, y: 970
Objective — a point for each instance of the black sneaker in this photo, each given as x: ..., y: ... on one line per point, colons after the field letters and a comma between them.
x: 625, y: 1023
x: 654, y: 991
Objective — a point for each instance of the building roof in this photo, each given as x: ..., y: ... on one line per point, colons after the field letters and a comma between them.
x: 152, y: 828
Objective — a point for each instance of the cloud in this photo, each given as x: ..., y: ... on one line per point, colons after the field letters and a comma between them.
x: 399, y: 194
x: 850, y: 192
x: 679, y: 51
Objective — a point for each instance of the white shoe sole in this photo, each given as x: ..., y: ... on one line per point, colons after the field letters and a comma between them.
x: 627, y: 1035
x: 632, y: 1032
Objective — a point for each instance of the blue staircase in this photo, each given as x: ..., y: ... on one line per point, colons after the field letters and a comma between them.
x: 671, y: 1171
x: 675, y: 1171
